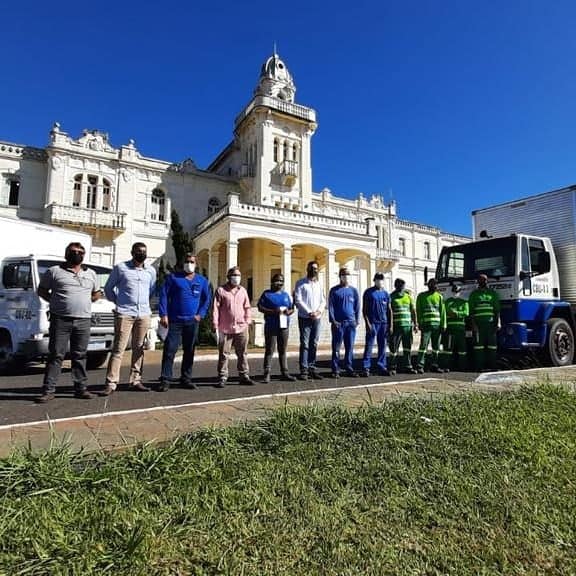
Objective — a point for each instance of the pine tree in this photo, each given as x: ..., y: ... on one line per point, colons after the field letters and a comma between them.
x: 181, y: 240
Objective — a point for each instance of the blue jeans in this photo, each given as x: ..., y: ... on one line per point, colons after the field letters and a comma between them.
x: 343, y: 332
x: 185, y: 332
x: 309, y: 334
x: 378, y: 332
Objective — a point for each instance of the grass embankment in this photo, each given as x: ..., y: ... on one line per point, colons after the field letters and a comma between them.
x: 468, y: 485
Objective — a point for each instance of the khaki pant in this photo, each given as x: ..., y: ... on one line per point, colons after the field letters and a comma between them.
x: 240, y: 343
x: 124, y: 326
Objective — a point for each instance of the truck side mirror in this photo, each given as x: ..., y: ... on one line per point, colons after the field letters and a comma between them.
x: 544, y: 263
x: 523, y: 275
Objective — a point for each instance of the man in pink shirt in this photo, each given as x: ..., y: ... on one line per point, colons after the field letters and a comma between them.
x: 231, y: 316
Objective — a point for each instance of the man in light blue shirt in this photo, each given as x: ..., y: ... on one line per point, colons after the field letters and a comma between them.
x: 130, y: 286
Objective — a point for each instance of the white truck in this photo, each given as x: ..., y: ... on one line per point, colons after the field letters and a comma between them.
x: 27, y: 249
x: 527, y: 248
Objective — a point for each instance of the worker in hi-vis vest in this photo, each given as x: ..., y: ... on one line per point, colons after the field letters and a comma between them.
x: 484, y: 306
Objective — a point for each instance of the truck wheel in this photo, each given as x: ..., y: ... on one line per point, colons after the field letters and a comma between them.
x: 96, y: 360
x: 6, y: 352
x: 560, y: 349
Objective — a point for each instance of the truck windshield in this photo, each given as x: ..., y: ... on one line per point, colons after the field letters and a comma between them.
x: 495, y: 258
x: 102, y: 272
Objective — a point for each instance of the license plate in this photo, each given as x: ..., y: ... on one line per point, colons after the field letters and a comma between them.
x: 96, y: 345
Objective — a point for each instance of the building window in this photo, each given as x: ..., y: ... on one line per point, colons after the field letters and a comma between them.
x: 295, y: 153
x: 213, y: 206
x: 14, y: 193
x: 106, y: 197
x: 276, y: 144
x: 426, y: 250
x: 91, y: 192
x: 402, y: 246
x: 158, y: 211
x: 285, y: 151
x: 77, y: 198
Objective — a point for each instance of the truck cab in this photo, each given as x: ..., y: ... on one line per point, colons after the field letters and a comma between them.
x: 523, y: 270
x: 24, y: 316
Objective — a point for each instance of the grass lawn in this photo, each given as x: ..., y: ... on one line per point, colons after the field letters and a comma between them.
x: 465, y: 485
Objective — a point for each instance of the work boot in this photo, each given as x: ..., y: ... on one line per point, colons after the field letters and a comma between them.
x: 221, y: 383
x: 139, y: 387
x: 46, y: 397
x: 315, y: 376
x: 288, y: 377
x: 247, y: 380
x: 419, y: 370
x: 108, y: 391
x: 84, y: 395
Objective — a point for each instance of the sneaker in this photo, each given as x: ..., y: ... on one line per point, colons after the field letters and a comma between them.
x: 108, y: 391
x: 288, y: 378
x: 266, y: 378
x: 46, y: 397
x: 163, y: 386
x: 139, y: 387
x: 303, y: 377
x: 351, y: 374
x: 365, y: 373
x: 221, y: 383
x: 247, y: 381
x: 419, y: 370
x: 84, y: 395
x: 335, y: 375
x: 315, y: 376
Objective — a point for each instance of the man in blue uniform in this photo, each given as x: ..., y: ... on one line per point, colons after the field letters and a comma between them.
x: 184, y: 300
x: 344, y: 315
x: 377, y: 313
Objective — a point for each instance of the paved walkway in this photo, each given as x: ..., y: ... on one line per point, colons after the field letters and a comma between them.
x: 114, y: 430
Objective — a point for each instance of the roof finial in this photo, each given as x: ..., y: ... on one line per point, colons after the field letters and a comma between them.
x: 275, y: 53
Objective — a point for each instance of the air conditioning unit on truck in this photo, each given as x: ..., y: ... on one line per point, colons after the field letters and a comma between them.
x: 27, y: 250
x: 527, y: 248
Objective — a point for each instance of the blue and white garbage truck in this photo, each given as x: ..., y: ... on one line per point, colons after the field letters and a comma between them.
x: 527, y: 248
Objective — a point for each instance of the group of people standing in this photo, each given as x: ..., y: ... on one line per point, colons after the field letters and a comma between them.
x: 186, y: 298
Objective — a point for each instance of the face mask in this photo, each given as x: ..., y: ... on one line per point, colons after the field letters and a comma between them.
x: 235, y: 280
x: 277, y: 286
x: 379, y: 284
x: 189, y: 267
x: 139, y: 257
x: 75, y: 258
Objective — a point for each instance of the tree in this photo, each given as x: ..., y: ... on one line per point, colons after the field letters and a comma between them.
x: 181, y: 241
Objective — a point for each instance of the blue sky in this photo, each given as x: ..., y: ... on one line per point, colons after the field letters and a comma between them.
x: 447, y: 105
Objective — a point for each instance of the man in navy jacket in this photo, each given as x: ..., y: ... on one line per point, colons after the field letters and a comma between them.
x: 184, y: 300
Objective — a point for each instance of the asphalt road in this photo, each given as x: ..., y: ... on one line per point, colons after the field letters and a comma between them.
x: 17, y: 392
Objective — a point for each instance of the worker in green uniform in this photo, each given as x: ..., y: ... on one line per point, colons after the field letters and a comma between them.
x: 431, y: 316
x: 403, y: 324
x: 484, y: 305
x: 454, y: 338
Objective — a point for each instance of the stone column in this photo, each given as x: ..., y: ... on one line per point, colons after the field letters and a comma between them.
x: 331, y: 271
x: 213, y: 266
x: 231, y: 254
x: 287, y: 268
x: 371, y: 269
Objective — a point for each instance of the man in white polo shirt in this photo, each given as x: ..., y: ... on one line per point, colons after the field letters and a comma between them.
x: 310, y: 300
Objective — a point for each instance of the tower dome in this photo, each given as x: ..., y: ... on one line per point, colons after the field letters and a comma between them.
x: 275, y: 80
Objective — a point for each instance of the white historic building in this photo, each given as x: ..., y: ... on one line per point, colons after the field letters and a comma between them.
x: 253, y: 206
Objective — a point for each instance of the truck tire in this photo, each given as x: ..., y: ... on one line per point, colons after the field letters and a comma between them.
x: 96, y: 360
x: 6, y: 352
x: 560, y: 345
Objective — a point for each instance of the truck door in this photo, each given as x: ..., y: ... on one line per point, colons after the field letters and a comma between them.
x: 18, y: 300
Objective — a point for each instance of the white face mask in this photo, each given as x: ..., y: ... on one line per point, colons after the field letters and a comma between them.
x: 189, y: 267
x: 379, y: 284
x: 235, y: 280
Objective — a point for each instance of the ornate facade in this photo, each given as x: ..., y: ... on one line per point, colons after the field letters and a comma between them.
x: 253, y: 206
